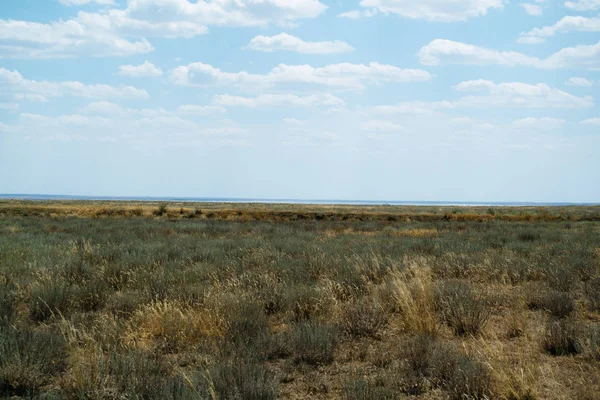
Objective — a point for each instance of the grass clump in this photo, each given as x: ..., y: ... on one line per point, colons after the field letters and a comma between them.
x: 29, y: 359
x: 239, y: 379
x: 562, y: 337
x: 313, y: 343
x: 161, y: 210
x: 362, y: 389
x: 464, y: 311
x: 413, y: 296
x: 8, y: 302
x: 364, y: 318
x: 442, y: 364
x: 592, y: 291
x: 49, y: 300
x: 558, y: 304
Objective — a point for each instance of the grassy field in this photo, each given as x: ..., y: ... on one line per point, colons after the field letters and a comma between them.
x: 102, y: 300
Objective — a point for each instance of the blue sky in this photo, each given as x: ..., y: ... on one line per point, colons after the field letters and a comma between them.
x: 465, y: 100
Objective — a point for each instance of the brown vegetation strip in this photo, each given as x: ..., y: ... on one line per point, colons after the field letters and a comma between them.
x: 267, y: 212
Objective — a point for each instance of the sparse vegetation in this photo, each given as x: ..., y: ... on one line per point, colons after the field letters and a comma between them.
x: 106, y: 300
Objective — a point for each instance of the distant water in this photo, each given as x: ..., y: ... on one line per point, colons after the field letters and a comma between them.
x: 287, y: 201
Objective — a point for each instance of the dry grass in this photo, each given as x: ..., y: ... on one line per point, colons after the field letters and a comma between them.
x: 284, y: 301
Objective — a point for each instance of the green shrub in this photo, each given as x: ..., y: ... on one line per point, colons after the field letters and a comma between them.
x: 562, y: 337
x: 29, y: 359
x: 364, y: 318
x: 162, y: 210
x: 305, y: 302
x: 133, y: 375
x: 528, y: 236
x: 590, y: 342
x: 360, y: 389
x: 123, y: 303
x: 559, y: 304
x: 8, y: 302
x: 462, y: 376
x: 562, y: 278
x: 239, y: 379
x: 592, y: 292
x: 49, y: 300
x: 91, y: 296
x: 463, y: 310
x: 313, y: 343
x: 246, y: 323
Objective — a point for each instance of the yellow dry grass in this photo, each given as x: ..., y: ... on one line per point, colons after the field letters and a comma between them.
x: 413, y: 294
x: 174, y: 325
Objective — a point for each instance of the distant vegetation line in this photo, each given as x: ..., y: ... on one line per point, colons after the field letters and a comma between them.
x: 294, y: 212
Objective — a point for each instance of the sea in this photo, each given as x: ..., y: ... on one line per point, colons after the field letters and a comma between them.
x: 290, y: 201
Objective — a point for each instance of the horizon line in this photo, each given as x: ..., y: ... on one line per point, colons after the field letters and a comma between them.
x: 38, y: 196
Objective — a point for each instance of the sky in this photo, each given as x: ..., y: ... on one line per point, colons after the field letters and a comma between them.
x: 430, y: 100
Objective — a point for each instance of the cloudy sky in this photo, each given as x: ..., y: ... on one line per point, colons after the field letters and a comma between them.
x: 455, y: 100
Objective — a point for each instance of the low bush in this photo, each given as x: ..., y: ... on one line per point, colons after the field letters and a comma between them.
x: 561, y: 277
x: 463, y: 310
x: 246, y: 326
x: 590, y: 342
x: 361, y: 389
x: 8, y: 301
x: 161, y: 210
x: 239, y: 379
x: 49, y: 300
x: 313, y: 343
x: 29, y: 359
x: 364, y: 318
x: 305, y: 302
x: 131, y: 375
x: 559, y: 304
x: 592, y: 292
x: 562, y: 337
x: 462, y: 376
x: 91, y: 296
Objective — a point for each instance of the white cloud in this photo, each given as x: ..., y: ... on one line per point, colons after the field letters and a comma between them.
x: 532, y: 9
x: 379, y: 126
x: 106, y: 108
x: 434, y: 10
x: 186, y: 122
x: 84, y: 2
x: 9, y: 107
x: 517, y: 94
x: 271, y: 100
x: 545, y: 123
x: 286, y: 42
x: 565, y: 25
x: 38, y: 98
x: 591, y: 121
x: 576, y: 81
x: 147, y: 69
x: 342, y: 76
x: 354, y: 14
x: 411, y: 108
x: 200, y: 110
x: 74, y: 120
x: 487, y: 94
x: 224, y: 12
x: 441, y: 51
x: 293, y: 121
x: 447, y: 51
x: 120, y: 32
x: 14, y: 82
x: 23, y: 39
x: 583, y: 5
